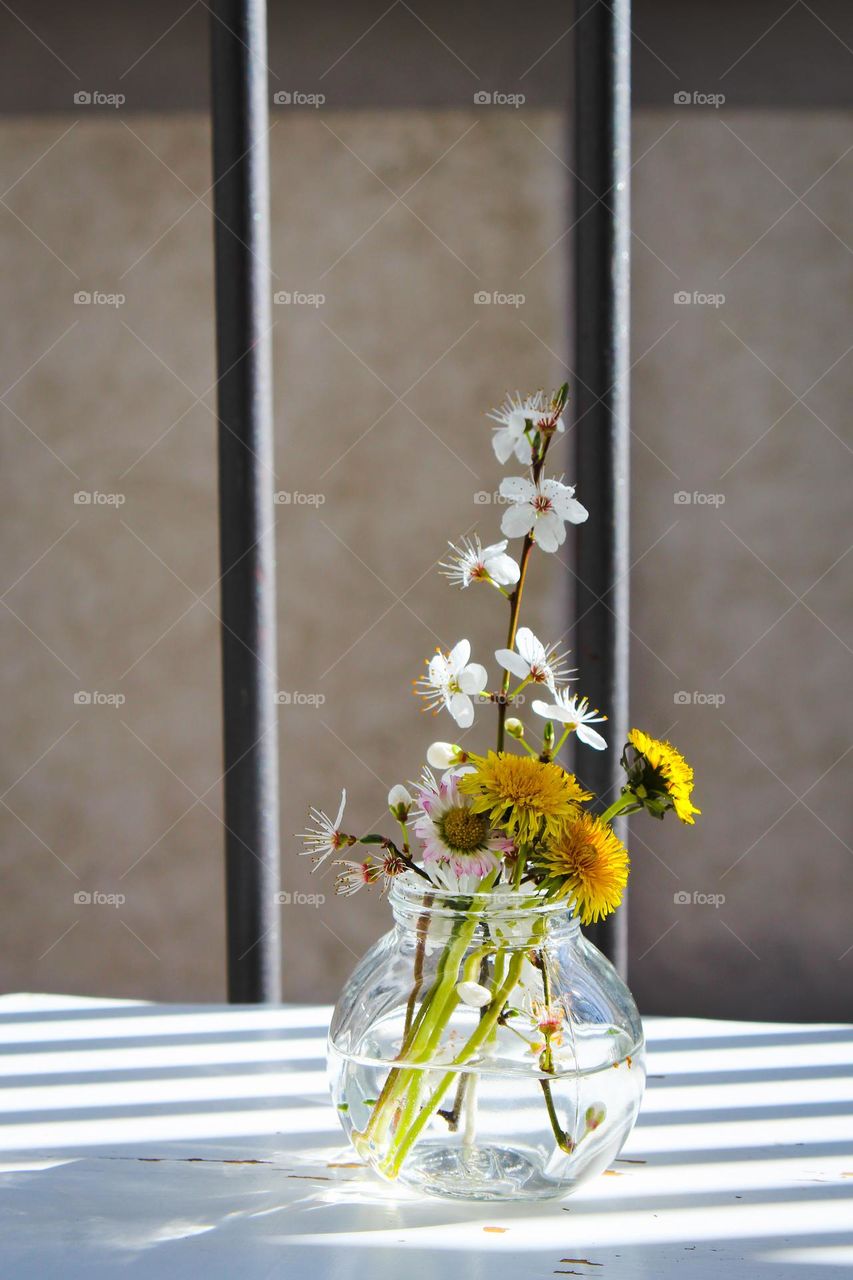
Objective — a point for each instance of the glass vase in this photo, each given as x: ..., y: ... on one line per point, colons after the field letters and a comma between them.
x: 484, y: 1049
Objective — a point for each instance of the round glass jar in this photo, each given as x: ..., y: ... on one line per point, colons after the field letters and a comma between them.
x: 484, y: 1049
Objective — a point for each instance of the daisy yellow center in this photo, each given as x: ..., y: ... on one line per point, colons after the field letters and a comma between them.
x: 463, y: 830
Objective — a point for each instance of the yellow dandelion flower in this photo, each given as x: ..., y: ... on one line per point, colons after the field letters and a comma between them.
x: 661, y: 773
x: 586, y: 864
x: 526, y: 797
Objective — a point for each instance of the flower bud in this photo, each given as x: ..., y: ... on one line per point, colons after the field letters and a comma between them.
x: 399, y: 802
x: 474, y: 994
x: 444, y: 755
x: 548, y: 737
x: 514, y: 728
x: 595, y: 1116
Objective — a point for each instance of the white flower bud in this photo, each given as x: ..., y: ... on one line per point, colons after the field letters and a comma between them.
x: 595, y: 1116
x: 474, y: 994
x: 514, y: 728
x: 444, y: 755
x: 400, y: 802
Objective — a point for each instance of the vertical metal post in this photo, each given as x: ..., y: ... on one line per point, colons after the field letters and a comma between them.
x: 247, y: 552
x: 602, y: 316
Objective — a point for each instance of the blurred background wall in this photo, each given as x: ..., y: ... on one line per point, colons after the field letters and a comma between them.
x: 396, y: 201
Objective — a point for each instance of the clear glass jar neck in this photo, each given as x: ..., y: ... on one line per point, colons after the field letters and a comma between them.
x: 416, y: 904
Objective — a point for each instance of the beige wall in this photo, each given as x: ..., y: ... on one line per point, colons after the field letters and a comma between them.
x: 126, y: 799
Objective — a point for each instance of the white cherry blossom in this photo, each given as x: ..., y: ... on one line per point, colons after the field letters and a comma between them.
x: 541, y: 509
x: 452, y: 682
x: 325, y: 837
x: 472, y: 562
x: 512, y: 419
x: 531, y: 660
x: 575, y: 713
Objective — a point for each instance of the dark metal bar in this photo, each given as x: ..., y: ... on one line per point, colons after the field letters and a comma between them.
x: 602, y: 260
x: 247, y: 553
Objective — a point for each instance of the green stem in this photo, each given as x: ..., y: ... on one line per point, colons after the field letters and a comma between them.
x: 416, y: 1079
x: 405, y: 830
x: 462, y: 1089
x: 407, y: 1135
x: 418, y: 968
x: 396, y: 1078
x: 626, y: 803
x: 426, y: 1028
x: 562, y: 1138
x: 514, y: 610
x: 515, y: 598
x: 564, y: 1142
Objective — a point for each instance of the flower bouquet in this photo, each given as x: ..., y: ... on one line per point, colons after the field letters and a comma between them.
x: 484, y: 1048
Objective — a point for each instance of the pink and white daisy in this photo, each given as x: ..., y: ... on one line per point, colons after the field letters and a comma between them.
x: 459, y: 847
x: 541, y: 509
x: 574, y: 713
x: 452, y: 681
x: 531, y: 660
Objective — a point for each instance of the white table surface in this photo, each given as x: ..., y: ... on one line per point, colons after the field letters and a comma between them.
x: 168, y: 1140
